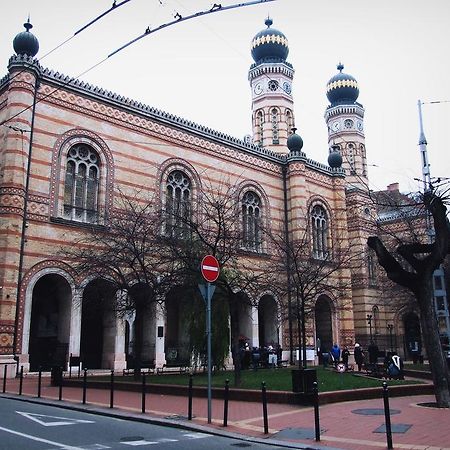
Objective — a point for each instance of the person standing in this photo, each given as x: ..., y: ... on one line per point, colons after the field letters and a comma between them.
x: 345, y: 354
x: 359, y: 356
x: 336, y: 353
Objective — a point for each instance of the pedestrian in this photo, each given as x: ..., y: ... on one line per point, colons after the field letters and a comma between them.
x: 256, y: 355
x: 272, y: 357
x: 395, y: 367
x: 345, y: 354
x: 336, y: 354
x: 359, y: 356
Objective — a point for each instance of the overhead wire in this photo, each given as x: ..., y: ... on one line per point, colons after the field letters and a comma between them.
x: 114, y: 6
x: 178, y: 18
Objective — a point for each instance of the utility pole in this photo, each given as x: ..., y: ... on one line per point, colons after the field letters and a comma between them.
x: 439, y: 291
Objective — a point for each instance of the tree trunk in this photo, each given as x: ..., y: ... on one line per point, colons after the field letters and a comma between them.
x: 430, y: 331
x: 234, y: 318
x: 137, y: 347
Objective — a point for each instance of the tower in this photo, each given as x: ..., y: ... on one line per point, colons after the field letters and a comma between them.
x: 345, y: 121
x: 270, y: 79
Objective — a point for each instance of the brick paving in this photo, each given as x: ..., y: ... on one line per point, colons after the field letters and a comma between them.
x: 341, y: 428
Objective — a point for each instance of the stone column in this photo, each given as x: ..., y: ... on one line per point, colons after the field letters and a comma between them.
x: 75, y: 323
x: 255, y: 327
x: 160, y: 354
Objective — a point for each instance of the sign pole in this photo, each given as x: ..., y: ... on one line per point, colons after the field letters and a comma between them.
x: 208, y: 331
x: 210, y: 272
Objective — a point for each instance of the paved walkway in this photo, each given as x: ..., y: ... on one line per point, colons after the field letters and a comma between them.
x: 352, y: 425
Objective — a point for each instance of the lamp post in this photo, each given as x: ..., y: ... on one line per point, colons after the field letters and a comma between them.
x: 369, y: 321
x: 390, y: 327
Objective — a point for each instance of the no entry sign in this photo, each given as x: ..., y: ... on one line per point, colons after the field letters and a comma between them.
x: 210, y: 268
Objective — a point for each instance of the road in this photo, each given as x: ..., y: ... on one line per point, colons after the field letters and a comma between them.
x: 35, y: 426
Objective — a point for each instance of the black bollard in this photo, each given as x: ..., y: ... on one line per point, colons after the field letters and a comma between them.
x: 60, y: 391
x: 190, y: 398
x: 225, y: 403
x: 316, y: 410
x: 111, y: 392
x: 20, y: 380
x: 5, y: 373
x: 264, y: 402
x: 39, y: 382
x: 84, y: 385
x: 70, y: 366
x: 143, y: 393
x: 387, y: 415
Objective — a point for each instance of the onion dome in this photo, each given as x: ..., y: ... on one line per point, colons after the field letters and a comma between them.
x: 270, y: 45
x: 294, y: 142
x: 26, y: 43
x: 335, y: 158
x: 342, y: 88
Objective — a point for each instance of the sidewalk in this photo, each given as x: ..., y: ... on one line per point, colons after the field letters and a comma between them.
x: 352, y: 425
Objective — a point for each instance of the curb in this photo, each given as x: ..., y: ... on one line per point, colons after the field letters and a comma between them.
x: 125, y: 415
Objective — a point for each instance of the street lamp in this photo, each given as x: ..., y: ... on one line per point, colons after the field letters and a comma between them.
x: 369, y: 321
x: 390, y: 327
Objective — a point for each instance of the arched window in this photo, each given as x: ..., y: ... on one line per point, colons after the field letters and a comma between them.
x: 251, y: 220
x: 82, y: 184
x: 289, y: 120
x: 319, y: 223
x: 260, y: 126
x: 351, y: 158
x: 178, y: 203
x: 275, y: 131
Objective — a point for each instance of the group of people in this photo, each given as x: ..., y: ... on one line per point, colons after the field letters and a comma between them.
x: 266, y: 356
x: 393, y: 364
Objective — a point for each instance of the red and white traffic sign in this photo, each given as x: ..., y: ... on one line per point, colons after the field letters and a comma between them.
x: 210, y: 268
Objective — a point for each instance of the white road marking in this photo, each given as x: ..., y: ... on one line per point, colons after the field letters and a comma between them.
x: 38, y: 439
x: 196, y: 435
x: 141, y: 442
x: 42, y: 419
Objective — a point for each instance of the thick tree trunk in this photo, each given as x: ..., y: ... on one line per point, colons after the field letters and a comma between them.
x: 234, y: 318
x: 137, y: 347
x: 430, y: 331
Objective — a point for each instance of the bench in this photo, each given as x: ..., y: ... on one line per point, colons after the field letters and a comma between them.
x: 147, y: 368
x: 171, y: 369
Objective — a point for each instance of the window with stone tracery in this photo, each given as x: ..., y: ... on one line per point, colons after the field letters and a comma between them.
x: 289, y: 121
x: 260, y: 127
x: 81, y: 185
x: 178, y: 203
x: 251, y: 221
x: 319, y: 226
x: 275, y: 126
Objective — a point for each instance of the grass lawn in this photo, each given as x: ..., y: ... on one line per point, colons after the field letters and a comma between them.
x: 276, y: 380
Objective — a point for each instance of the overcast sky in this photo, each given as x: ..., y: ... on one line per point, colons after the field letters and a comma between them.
x: 398, y: 50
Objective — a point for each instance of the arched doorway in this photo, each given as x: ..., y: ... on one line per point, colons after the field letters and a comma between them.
x: 267, y: 321
x: 412, y: 338
x: 50, y: 322
x: 96, y: 307
x: 323, y: 323
x: 177, y: 342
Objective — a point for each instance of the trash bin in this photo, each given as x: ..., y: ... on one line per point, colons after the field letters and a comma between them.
x: 56, y: 375
x: 303, y: 380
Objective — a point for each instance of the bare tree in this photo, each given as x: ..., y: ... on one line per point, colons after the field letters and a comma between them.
x: 308, y: 273
x: 215, y: 228
x: 128, y: 254
x: 411, y: 265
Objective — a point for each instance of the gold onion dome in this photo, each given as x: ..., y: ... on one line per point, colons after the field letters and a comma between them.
x: 269, y: 45
x: 342, y: 88
x: 26, y: 43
